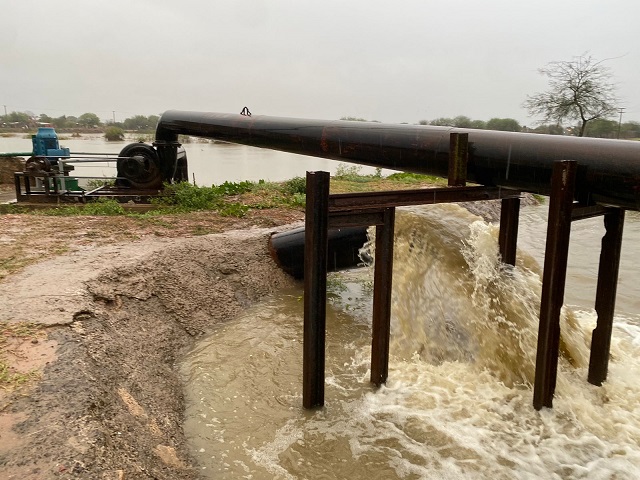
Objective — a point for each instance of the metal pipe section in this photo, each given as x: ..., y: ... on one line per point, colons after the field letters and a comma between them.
x: 608, y: 170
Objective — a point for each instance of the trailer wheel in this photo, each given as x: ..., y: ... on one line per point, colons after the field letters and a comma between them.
x: 139, y: 166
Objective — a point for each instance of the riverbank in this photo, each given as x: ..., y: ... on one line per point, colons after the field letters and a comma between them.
x: 110, y: 309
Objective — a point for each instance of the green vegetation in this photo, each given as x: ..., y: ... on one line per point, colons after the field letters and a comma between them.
x: 95, y: 183
x: 407, y: 177
x: 185, y: 197
x: 101, y: 207
x: 237, y: 198
x: 348, y: 178
x: 114, y: 134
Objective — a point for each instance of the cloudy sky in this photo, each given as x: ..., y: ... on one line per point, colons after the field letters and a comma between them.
x: 399, y: 61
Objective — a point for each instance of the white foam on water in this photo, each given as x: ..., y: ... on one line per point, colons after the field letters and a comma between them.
x: 458, y: 401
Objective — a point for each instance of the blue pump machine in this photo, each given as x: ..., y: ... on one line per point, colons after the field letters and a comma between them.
x: 45, y: 144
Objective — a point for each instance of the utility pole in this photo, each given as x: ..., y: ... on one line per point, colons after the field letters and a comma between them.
x: 114, y: 117
x: 5, y: 110
x: 620, y: 110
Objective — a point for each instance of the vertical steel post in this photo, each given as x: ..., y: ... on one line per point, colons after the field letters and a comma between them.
x: 315, y: 288
x: 606, y: 295
x: 553, y: 281
x: 458, y: 155
x: 381, y: 324
x: 508, y: 237
x: 16, y: 182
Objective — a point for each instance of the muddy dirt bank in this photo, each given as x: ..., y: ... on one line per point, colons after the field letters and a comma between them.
x: 109, y: 404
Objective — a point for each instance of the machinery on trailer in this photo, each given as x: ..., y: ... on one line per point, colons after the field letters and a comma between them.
x: 140, y: 173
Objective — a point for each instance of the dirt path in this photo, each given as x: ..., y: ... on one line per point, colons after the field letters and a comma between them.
x: 116, y: 317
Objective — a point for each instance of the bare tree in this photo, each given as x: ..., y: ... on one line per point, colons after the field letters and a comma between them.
x: 580, y: 89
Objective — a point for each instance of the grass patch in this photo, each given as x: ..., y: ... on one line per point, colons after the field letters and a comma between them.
x: 101, y: 207
x: 406, y: 177
x: 348, y: 178
x: 185, y: 197
x: 98, y: 182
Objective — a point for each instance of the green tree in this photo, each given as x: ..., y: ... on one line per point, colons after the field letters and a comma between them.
x: 88, y: 120
x: 462, y: 121
x: 44, y: 118
x: 630, y: 130
x: 504, y: 124
x: 549, y: 129
x: 18, y: 117
x: 358, y: 119
x: 59, y: 122
x: 153, y: 121
x: 442, y: 122
x: 137, y: 122
x: 580, y: 89
x: 601, y: 128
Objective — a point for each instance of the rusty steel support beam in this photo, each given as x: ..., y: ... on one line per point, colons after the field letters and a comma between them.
x: 367, y: 201
x: 315, y: 288
x: 553, y: 281
x: 381, y: 324
x: 606, y: 295
x: 458, y: 157
x: 508, y: 237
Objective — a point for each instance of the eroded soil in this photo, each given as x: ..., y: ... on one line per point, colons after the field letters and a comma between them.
x: 119, y: 302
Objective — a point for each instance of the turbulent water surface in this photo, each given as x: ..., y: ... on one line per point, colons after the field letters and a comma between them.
x: 458, y: 402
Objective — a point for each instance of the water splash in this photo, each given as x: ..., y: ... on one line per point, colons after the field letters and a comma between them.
x: 454, y: 300
x: 457, y: 403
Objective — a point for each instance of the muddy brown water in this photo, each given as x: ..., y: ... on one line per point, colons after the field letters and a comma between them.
x: 458, y: 400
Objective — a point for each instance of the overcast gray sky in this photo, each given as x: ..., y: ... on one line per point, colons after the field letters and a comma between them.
x: 393, y: 61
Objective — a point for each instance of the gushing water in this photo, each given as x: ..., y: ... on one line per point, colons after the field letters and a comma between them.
x: 458, y: 400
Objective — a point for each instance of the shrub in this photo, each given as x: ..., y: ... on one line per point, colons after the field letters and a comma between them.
x: 114, y: 134
x: 296, y: 185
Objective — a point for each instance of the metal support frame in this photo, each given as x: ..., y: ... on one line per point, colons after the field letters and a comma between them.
x: 553, y: 281
x: 324, y: 211
x: 315, y: 288
x: 606, y: 295
x: 458, y: 157
x: 508, y: 236
x: 562, y: 211
x: 382, y: 278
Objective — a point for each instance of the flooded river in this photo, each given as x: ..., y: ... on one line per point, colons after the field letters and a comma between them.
x: 209, y: 163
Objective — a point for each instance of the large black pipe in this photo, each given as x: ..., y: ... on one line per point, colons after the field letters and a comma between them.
x: 343, y: 249
x: 609, y: 170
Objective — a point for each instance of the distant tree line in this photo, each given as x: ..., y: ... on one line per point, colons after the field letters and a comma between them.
x: 599, y: 128
x: 27, y: 120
